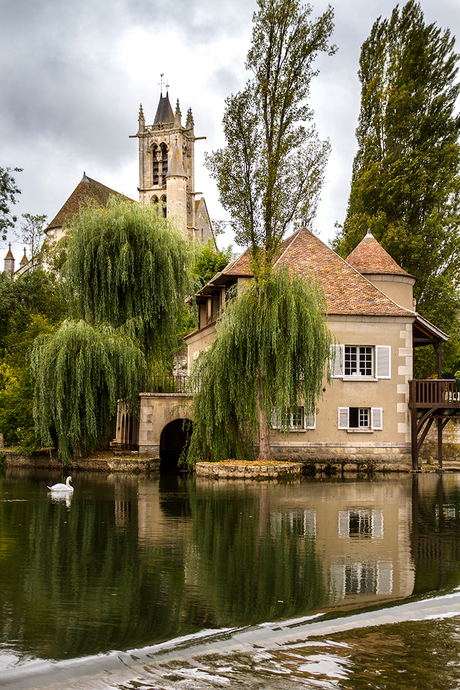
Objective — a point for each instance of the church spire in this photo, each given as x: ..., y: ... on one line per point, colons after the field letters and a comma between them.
x: 9, y: 262
x: 164, y: 114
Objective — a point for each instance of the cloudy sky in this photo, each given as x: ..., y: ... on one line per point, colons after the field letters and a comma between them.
x: 73, y: 74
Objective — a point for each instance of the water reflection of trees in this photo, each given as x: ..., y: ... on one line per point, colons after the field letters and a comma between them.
x: 252, y: 564
x: 76, y: 584
x: 436, y: 531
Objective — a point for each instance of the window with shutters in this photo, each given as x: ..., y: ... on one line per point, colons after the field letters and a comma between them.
x: 361, y: 362
x: 360, y: 418
x: 297, y: 420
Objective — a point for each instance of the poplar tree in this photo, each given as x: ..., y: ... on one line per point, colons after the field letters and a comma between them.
x: 270, y: 173
x: 126, y: 276
x: 405, y: 183
x: 269, y: 177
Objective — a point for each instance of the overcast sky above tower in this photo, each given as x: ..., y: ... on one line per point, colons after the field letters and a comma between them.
x: 74, y: 73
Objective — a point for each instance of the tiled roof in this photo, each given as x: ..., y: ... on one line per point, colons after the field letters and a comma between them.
x: 369, y: 257
x: 86, y: 191
x: 347, y: 291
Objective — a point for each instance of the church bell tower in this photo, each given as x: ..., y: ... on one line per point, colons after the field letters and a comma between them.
x: 166, y: 164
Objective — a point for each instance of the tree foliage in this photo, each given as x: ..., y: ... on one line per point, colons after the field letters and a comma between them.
x: 32, y: 232
x: 33, y: 304
x: 405, y: 184
x: 270, y: 172
x: 270, y: 351
x: 127, y: 266
x: 80, y: 372
x: 126, y: 278
x: 8, y: 193
x: 209, y: 261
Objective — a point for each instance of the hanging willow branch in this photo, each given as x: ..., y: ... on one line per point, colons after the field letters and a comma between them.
x: 126, y: 264
x: 270, y: 351
x: 80, y: 372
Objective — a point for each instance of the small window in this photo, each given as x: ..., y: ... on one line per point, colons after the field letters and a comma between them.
x: 367, y: 361
x: 358, y: 361
x: 296, y: 420
x: 360, y: 418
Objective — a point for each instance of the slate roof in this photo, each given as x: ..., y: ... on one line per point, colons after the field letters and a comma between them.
x: 347, y: 291
x: 87, y: 191
x: 370, y: 258
x: 164, y: 112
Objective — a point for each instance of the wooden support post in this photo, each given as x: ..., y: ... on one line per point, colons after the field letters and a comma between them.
x: 414, y: 439
x: 440, y: 425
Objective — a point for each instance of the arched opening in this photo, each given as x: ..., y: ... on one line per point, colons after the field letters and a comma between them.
x: 155, y: 176
x: 164, y: 162
x: 174, y: 438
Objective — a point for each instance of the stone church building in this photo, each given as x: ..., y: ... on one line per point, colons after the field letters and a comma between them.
x: 166, y: 181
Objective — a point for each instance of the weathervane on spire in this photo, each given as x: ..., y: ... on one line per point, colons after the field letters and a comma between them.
x: 161, y: 84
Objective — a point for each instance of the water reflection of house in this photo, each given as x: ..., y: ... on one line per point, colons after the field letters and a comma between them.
x: 361, y: 532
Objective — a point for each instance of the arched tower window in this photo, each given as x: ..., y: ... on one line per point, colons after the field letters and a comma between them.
x: 164, y: 162
x: 155, y: 165
x: 163, y: 205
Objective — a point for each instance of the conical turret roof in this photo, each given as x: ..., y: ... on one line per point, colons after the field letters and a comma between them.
x: 370, y: 258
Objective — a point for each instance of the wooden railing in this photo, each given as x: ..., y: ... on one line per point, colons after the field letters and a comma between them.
x: 167, y: 384
x: 434, y: 393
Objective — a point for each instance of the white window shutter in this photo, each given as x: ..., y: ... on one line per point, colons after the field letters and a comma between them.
x: 343, y: 418
x: 377, y: 524
x: 384, y: 577
x: 377, y: 418
x: 337, y: 360
x: 383, y: 361
x: 310, y: 420
x: 343, y: 520
x: 274, y: 419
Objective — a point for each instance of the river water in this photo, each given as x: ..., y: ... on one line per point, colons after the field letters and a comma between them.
x: 177, y: 582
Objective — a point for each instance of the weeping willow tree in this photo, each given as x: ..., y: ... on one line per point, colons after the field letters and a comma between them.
x: 126, y: 276
x: 268, y: 357
x: 80, y: 372
x: 128, y: 266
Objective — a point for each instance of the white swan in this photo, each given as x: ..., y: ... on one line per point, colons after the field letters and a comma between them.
x: 62, y: 487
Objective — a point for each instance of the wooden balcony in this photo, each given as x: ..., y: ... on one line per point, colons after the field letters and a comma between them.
x: 430, y: 400
x: 426, y: 393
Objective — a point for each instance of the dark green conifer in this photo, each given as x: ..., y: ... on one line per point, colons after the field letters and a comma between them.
x: 405, y: 183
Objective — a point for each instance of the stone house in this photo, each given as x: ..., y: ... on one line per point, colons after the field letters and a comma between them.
x: 363, y: 415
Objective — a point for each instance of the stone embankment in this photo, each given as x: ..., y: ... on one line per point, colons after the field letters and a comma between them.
x: 100, y: 462
x: 130, y: 461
